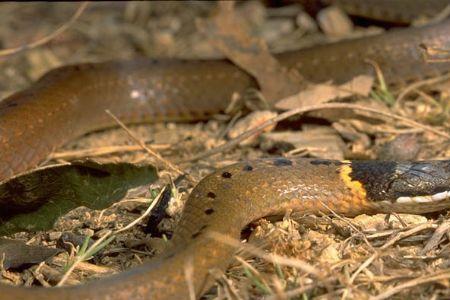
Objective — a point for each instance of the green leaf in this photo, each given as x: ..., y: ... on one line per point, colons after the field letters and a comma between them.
x: 85, y: 245
x: 257, y: 282
x: 34, y: 200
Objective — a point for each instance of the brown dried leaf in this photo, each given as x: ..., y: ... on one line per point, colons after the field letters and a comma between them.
x: 230, y: 34
x: 250, y: 121
x: 334, y: 22
x: 318, y: 141
x: 359, y: 142
x: 378, y: 222
x: 16, y: 254
x: 325, y: 92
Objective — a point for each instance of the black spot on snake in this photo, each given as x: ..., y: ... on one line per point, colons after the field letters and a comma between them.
x: 226, y: 175
x: 211, y: 195
x: 247, y: 168
x: 281, y: 162
x: 317, y: 162
x: 196, y: 234
x: 199, y: 231
x: 209, y: 211
x: 325, y: 162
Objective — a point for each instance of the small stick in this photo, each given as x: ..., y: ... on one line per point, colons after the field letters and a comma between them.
x: 350, y: 224
x: 100, y: 151
x: 411, y: 283
x: 436, y: 237
x: 418, y: 84
x: 144, y: 146
x: 401, y: 235
x: 234, y: 142
x: 49, y: 37
x: 108, y: 235
x: 273, y: 258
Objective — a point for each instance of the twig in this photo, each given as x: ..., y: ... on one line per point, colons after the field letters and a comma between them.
x: 144, y: 146
x: 230, y: 124
x: 100, y: 151
x: 378, y: 252
x: 146, y: 213
x: 273, y: 258
x: 101, y: 242
x: 257, y: 278
x: 397, y: 216
x: 363, y: 266
x: 388, y: 244
x: 348, y: 223
x: 225, y: 285
x: 436, y: 237
x: 293, y: 293
x: 49, y: 37
x: 81, y: 258
x: 403, y: 234
x: 368, y: 261
x: 234, y: 142
x: 411, y: 283
x: 417, y: 85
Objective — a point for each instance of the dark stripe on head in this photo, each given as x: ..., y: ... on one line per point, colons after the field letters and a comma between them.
x: 384, y: 180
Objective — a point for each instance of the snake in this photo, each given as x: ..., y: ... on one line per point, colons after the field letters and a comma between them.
x: 70, y: 101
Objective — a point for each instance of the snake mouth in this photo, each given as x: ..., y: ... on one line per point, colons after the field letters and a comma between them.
x: 416, y: 204
x: 424, y: 199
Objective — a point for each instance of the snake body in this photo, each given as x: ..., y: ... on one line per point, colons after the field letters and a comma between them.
x: 70, y: 101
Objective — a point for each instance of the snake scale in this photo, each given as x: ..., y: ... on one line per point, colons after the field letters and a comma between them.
x: 70, y: 101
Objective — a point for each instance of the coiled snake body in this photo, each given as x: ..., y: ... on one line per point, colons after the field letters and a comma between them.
x: 70, y: 101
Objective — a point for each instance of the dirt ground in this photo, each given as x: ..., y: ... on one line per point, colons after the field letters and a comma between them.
x: 358, y: 257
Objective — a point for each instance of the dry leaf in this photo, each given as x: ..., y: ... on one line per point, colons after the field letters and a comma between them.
x: 334, y: 22
x: 17, y: 253
x: 318, y: 141
x: 325, y: 92
x: 252, y: 120
x: 230, y: 34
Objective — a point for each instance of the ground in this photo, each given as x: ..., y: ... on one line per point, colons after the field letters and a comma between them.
x: 357, y: 257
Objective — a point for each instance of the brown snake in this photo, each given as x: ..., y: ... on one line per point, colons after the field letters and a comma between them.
x: 70, y: 101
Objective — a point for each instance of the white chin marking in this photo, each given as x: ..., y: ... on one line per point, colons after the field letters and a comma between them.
x: 424, y: 199
x: 403, y: 200
x: 441, y: 196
